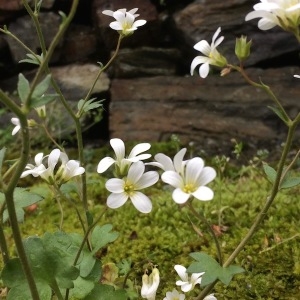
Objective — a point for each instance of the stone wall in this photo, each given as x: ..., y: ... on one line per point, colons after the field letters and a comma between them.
x: 148, y: 90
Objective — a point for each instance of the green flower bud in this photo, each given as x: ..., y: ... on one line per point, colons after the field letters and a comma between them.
x: 242, y: 48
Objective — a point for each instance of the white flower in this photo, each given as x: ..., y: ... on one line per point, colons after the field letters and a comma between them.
x: 125, y: 22
x: 122, y: 163
x: 212, y: 56
x: 283, y: 13
x: 17, y: 124
x: 129, y: 187
x: 174, y: 295
x: 210, y: 297
x: 192, y: 181
x: 150, y: 285
x: 165, y: 162
x: 297, y: 76
x: 67, y: 169
x: 185, y: 283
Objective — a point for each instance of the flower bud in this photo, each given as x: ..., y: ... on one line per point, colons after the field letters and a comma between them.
x: 242, y: 48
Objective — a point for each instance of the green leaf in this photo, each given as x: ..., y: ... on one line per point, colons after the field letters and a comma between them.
x: 213, y: 270
x: 82, y: 288
x: 13, y: 277
x: 105, y: 292
x: 102, y: 235
x: 42, y: 87
x: 22, y: 199
x: 270, y: 172
x: 124, y: 266
x: 43, y: 99
x: 89, y: 105
x: 33, y: 59
x: 289, y: 182
x: 279, y: 113
x: 23, y: 88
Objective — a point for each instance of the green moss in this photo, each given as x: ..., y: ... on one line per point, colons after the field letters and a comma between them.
x: 165, y: 236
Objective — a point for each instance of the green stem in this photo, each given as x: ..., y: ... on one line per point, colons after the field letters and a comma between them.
x: 34, y: 17
x: 260, y: 217
x: 211, y: 231
x: 9, y: 194
x: 3, y: 245
x: 102, y: 69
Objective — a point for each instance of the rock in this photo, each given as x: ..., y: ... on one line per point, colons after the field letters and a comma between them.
x: 145, y: 61
x: 12, y: 5
x: 24, y: 29
x: 208, y: 112
x: 79, y: 43
x: 201, y: 19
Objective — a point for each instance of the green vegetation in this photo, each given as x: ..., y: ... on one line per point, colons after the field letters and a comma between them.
x: 166, y: 236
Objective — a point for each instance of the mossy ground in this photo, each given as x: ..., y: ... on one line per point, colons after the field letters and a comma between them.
x: 166, y: 237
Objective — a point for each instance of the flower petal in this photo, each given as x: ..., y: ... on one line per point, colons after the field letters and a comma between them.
x: 116, y: 200
x: 181, y: 271
x: 204, y: 70
x: 119, y: 148
x: 172, y: 178
x: 141, y: 202
x: 207, y: 175
x: 147, y: 179
x: 115, y: 185
x: 139, y: 148
x: 179, y: 196
x: 104, y: 164
x: 193, y: 170
x: 203, y: 193
x: 135, y: 172
x: 178, y: 160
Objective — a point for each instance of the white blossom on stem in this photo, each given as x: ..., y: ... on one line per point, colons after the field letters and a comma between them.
x: 121, y: 162
x: 211, y: 55
x: 128, y: 188
x: 187, y: 283
x: 283, y: 13
x: 125, y: 22
x: 191, y: 182
x: 45, y: 167
x: 150, y: 285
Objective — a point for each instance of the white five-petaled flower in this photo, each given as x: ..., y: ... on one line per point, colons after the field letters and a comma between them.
x: 187, y: 284
x: 165, y: 162
x: 174, y: 295
x: 129, y: 186
x: 125, y: 22
x: 191, y: 181
x: 67, y: 169
x: 283, y: 13
x: 150, y: 285
x: 212, y: 55
x: 17, y: 124
x: 122, y: 164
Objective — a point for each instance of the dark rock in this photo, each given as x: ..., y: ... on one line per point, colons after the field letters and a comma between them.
x: 146, y: 61
x: 24, y: 29
x: 79, y: 43
x: 208, y: 112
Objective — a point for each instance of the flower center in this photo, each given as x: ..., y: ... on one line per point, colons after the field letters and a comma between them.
x: 128, y: 188
x: 189, y: 188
